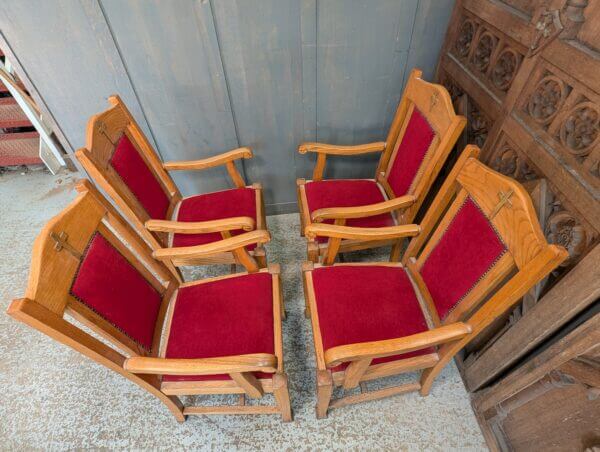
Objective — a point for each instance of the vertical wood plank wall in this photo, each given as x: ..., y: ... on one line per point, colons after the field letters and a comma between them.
x: 206, y: 76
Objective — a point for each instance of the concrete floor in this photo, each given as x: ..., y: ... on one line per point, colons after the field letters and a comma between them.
x: 55, y: 398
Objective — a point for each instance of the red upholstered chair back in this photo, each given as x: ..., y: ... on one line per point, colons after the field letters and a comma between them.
x: 84, y: 265
x: 480, y: 231
x: 423, y: 132
x: 122, y: 162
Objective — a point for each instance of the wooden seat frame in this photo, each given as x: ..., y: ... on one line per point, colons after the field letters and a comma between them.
x: 528, y: 259
x: 103, y: 131
x: 56, y: 256
x: 434, y: 102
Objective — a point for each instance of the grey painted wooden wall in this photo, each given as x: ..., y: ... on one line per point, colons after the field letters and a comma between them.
x: 206, y: 76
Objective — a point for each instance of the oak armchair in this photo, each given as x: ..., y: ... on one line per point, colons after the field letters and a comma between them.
x: 478, y: 250
x: 422, y: 134
x: 214, y: 336
x: 121, y: 161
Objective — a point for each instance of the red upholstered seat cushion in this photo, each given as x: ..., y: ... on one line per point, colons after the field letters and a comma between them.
x: 411, y: 153
x: 366, y: 303
x: 232, y: 316
x: 468, y: 249
x: 131, y: 167
x: 109, y: 285
x: 237, y: 202
x: 347, y: 193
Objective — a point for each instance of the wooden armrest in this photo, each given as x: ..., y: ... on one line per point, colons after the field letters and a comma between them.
x: 333, y: 213
x: 351, y: 232
x: 209, y: 162
x: 257, y: 362
x: 201, y: 227
x: 323, y: 148
x: 389, y: 347
x: 222, y: 246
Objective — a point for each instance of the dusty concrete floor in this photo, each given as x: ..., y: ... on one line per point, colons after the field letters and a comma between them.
x: 54, y: 398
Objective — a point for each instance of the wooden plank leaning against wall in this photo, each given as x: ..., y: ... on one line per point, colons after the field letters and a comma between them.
x: 527, y: 76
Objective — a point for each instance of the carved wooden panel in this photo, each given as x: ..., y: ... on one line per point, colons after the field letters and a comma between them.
x: 526, y: 75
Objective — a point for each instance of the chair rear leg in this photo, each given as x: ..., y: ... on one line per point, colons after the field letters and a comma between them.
x: 312, y: 251
x: 282, y: 396
x: 324, y: 392
x: 396, y: 250
x: 260, y: 254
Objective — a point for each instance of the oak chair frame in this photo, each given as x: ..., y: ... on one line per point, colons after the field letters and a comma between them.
x: 57, y: 253
x: 103, y: 131
x: 528, y: 259
x: 435, y: 104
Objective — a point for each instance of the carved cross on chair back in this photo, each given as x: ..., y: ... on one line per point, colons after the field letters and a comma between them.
x: 61, y: 242
x: 504, y: 200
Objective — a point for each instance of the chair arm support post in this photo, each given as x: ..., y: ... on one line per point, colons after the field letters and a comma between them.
x: 332, y: 213
x: 389, y: 347
x: 257, y: 362
x: 201, y: 227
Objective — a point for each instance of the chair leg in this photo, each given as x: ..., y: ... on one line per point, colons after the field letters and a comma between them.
x: 306, y: 266
x: 282, y: 396
x: 260, y: 255
x: 174, y: 405
x: 427, y: 377
x: 300, y: 182
x: 324, y: 392
x: 312, y: 251
x: 396, y: 250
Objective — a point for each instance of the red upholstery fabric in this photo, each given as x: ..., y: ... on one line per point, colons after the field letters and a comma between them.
x: 238, y: 202
x: 366, y: 303
x: 347, y: 193
x: 467, y: 250
x: 232, y: 316
x: 109, y: 285
x: 132, y: 169
x: 410, y: 154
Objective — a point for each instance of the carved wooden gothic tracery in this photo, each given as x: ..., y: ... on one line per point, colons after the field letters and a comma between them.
x: 547, y: 99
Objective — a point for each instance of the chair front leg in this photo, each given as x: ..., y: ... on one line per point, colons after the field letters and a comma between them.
x: 282, y: 396
x: 324, y: 392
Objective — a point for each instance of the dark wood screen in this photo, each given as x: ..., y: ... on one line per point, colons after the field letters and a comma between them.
x: 526, y: 73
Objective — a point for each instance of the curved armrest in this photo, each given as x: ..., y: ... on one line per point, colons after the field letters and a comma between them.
x: 323, y: 148
x: 201, y: 227
x: 257, y: 362
x: 209, y: 162
x: 209, y: 249
x: 333, y: 213
x: 390, y: 347
x: 350, y: 232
